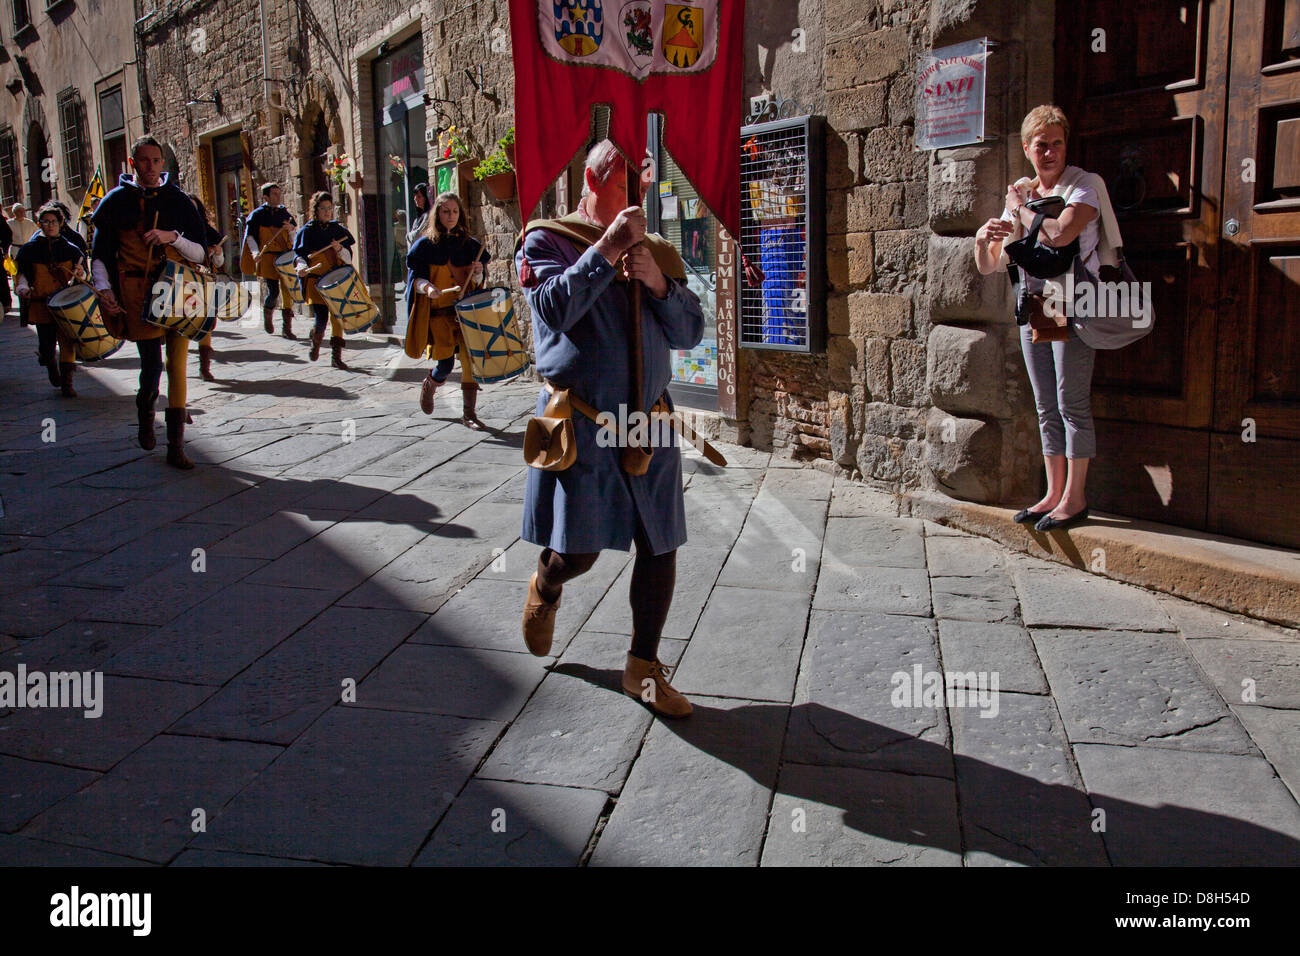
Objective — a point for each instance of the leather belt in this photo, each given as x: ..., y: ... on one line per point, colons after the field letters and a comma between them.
x: 660, y: 407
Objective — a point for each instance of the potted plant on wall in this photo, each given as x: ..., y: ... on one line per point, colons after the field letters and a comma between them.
x: 343, y: 173
x: 497, y: 175
x: 507, y: 143
x: 454, y: 145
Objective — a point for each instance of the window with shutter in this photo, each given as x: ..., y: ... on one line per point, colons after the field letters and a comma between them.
x: 70, y: 131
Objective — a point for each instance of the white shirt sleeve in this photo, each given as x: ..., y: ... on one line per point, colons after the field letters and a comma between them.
x: 219, y: 258
x: 99, y: 273
x: 345, y: 254
x: 21, y: 285
x: 252, y: 244
x: 190, y: 250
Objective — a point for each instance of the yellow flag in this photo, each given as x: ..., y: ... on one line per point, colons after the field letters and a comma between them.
x: 96, y: 191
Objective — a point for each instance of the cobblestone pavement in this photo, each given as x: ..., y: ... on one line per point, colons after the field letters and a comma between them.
x: 337, y: 676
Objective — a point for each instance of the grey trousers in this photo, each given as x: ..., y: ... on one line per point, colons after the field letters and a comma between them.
x: 1061, y: 374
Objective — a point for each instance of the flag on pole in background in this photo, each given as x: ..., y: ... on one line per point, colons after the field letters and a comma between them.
x: 680, y: 59
x: 96, y: 191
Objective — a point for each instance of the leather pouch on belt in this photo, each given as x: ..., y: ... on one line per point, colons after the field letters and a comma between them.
x: 549, y: 442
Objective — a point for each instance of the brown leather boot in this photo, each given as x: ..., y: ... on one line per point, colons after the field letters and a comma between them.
x: 469, y: 419
x: 176, y: 456
x: 427, y: 388
x: 268, y: 320
x: 539, y: 620
x: 317, y: 337
x: 286, y: 325
x: 205, y: 363
x: 52, y: 369
x: 65, y: 374
x: 336, y: 352
x: 144, y: 412
x: 647, y: 681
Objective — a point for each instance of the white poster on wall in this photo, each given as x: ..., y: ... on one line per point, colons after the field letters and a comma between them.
x: 950, y: 95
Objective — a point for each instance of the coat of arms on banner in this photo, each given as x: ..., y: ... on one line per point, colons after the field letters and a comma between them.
x: 655, y: 36
x: 683, y: 32
x: 578, y: 25
x: 637, y: 33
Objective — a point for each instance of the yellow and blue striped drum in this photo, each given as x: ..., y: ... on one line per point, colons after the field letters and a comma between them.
x: 76, y: 308
x: 180, y: 302
x: 347, y: 299
x: 230, y: 299
x: 491, y: 334
x: 289, y: 290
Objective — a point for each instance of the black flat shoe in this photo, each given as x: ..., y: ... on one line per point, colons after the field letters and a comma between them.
x: 1056, y: 524
x: 1030, y: 517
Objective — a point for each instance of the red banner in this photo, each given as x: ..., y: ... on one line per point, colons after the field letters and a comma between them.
x: 640, y: 56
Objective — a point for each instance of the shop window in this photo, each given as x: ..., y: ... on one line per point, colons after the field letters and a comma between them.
x: 782, y: 233
x: 70, y: 127
x: 8, y: 167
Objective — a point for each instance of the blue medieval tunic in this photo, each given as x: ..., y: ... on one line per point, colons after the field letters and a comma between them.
x: 580, y: 320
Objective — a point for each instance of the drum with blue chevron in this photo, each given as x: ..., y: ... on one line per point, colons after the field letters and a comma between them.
x: 180, y: 302
x: 347, y: 299
x: 76, y: 309
x: 491, y: 334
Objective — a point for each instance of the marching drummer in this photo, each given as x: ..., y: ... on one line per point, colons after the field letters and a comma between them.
x: 319, y: 246
x: 268, y: 233
x: 46, y: 264
x: 215, y: 260
x: 439, y: 266
x: 143, y: 221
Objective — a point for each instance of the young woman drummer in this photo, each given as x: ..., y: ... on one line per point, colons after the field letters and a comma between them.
x: 46, y: 264
x: 215, y: 260
x: 439, y: 265
x: 321, y: 245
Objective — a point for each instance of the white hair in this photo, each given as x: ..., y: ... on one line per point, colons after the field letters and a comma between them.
x: 603, y: 159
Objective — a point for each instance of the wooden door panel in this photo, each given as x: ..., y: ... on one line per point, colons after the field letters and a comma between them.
x: 1151, y: 471
x: 1254, y: 487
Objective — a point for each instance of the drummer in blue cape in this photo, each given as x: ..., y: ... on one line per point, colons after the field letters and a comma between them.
x: 268, y: 233
x: 321, y: 245
x: 47, y: 263
x: 142, y: 223
x: 440, y: 265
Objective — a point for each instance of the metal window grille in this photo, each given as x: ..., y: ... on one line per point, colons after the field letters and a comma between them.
x: 70, y: 132
x: 8, y: 167
x: 782, y: 232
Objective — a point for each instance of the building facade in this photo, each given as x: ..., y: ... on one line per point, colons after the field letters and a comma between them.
x: 903, y: 367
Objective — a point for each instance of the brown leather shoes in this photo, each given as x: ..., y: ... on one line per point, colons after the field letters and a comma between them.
x: 647, y: 681
x: 427, y: 388
x: 539, y: 620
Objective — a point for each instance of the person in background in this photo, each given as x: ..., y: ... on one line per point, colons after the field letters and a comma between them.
x: 46, y: 264
x: 325, y: 239
x: 215, y: 260
x: 21, y: 229
x: 6, y: 240
x: 421, y: 197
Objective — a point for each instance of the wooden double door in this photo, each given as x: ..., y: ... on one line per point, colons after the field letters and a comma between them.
x: 1191, y: 113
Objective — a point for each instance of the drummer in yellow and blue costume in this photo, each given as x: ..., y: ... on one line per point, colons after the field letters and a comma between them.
x: 144, y: 221
x: 267, y: 235
x: 439, y: 265
x: 319, y: 246
x: 47, y: 262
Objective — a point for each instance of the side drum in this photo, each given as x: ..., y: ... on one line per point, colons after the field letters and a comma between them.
x: 180, y: 302
x: 491, y: 334
x: 347, y: 299
x: 76, y: 309
x: 288, y: 278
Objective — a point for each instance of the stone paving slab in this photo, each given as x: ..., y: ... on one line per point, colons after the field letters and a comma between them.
x: 862, y: 818
x: 493, y: 823
x: 1170, y: 808
x: 223, y: 858
x: 1022, y: 801
x: 1131, y: 688
x: 217, y: 639
x: 277, y: 535
x: 31, y: 787
x: 20, y: 851
x: 961, y: 556
x: 798, y: 483
x: 341, y: 557
x: 488, y: 614
x: 842, y: 587
x: 349, y: 456
x: 1277, y: 734
x: 990, y: 598
x: 276, y: 698
x: 349, y: 494
x: 850, y: 710
x: 110, y: 529
x: 1269, y: 671
x: 157, y: 788
x: 454, y: 681
x: 1052, y: 597
x: 746, y: 645
x: 1196, y: 622
x: 77, y: 645
x: 134, y: 712
x: 1004, y: 649
x: 699, y: 792
x: 46, y: 608
x: 360, y: 786
x: 19, y: 571
x: 875, y: 542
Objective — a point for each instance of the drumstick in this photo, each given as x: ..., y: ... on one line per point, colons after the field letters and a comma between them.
x: 148, y: 263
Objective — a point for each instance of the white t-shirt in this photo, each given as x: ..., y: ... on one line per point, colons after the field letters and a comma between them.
x: 1088, y: 239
